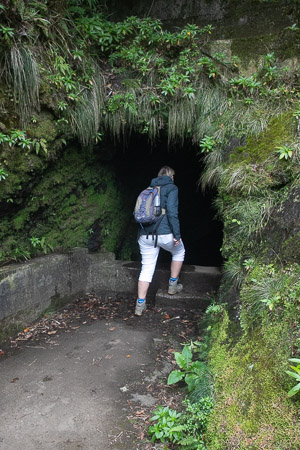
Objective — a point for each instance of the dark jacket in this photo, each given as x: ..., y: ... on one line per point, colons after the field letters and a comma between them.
x: 169, y: 201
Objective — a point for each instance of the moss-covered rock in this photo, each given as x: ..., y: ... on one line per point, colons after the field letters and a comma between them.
x: 63, y: 205
x: 252, y: 408
x: 281, y: 130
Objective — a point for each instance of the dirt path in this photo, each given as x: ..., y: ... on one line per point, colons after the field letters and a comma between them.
x: 89, y: 376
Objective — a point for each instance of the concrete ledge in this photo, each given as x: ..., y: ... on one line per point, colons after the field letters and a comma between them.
x: 188, y: 300
x: 28, y: 289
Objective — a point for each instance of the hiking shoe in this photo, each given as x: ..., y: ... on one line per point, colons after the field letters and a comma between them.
x: 174, y: 287
x: 140, y: 308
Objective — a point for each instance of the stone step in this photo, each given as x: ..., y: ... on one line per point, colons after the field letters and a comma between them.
x: 201, y: 280
x: 183, y: 299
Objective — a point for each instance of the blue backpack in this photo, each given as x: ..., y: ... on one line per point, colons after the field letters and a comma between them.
x: 147, y: 208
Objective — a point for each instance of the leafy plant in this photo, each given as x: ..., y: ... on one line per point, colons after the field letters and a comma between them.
x: 284, y: 152
x: 167, y: 425
x: 39, y: 144
x: 215, y: 309
x: 186, y: 428
x: 41, y: 243
x: 191, y: 371
x: 194, y: 421
x: 296, y: 375
x: 269, y: 292
x: 122, y: 102
x: 3, y: 174
x: 7, y: 32
x: 207, y: 144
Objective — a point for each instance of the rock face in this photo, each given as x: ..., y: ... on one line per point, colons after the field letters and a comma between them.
x: 229, y: 17
x: 282, y: 233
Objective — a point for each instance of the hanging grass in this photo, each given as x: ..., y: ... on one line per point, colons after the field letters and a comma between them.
x: 22, y: 72
x: 181, y: 118
x: 86, y: 118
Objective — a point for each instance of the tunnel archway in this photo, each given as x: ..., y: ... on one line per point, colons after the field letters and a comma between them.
x: 136, y: 162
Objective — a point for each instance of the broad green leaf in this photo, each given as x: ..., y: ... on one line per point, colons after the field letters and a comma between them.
x: 187, y: 354
x: 180, y: 359
x: 190, y: 379
x: 198, y: 366
x: 295, y: 360
x: 292, y: 374
x: 175, y: 376
x: 294, y: 390
x: 177, y: 428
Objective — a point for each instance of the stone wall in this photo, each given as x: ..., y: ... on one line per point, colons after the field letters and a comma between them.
x: 30, y: 288
x: 230, y: 18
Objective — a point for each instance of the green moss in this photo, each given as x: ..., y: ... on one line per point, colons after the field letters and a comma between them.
x: 291, y: 249
x: 20, y: 219
x: 64, y: 204
x: 45, y: 128
x: 280, y: 131
x: 250, y: 49
x: 252, y: 407
x: 220, y: 343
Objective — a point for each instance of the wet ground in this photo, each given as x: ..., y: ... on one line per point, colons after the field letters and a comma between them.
x: 89, y: 376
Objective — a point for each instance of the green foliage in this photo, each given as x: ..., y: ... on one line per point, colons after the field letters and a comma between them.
x: 270, y: 292
x: 23, y: 72
x: 192, y: 372
x: 3, y: 174
x: 249, y: 381
x: 6, y: 32
x: 215, y: 309
x: 185, y: 429
x: 207, y: 144
x: 195, y: 420
x: 168, y: 66
x: 167, y: 426
x: 284, y: 152
x: 18, y: 138
x: 63, y: 205
x: 122, y: 102
x: 41, y: 244
x: 248, y: 84
x: 296, y: 375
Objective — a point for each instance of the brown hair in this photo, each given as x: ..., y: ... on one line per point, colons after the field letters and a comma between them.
x: 166, y: 170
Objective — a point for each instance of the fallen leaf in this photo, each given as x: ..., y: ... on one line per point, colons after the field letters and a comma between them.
x: 52, y: 332
x: 14, y: 380
x: 171, y: 350
x: 142, y: 435
x: 26, y: 330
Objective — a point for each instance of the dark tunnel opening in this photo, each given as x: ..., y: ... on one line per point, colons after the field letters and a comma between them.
x: 137, y: 162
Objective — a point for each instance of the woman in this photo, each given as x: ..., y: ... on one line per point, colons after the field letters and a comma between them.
x: 168, y: 238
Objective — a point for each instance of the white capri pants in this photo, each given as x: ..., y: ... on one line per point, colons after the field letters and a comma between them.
x: 150, y: 253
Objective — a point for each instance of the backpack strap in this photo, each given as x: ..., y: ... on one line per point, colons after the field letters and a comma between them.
x: 154, y: 231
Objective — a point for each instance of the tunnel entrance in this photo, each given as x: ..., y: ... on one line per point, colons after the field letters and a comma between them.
x: 137, y: 162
